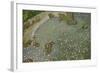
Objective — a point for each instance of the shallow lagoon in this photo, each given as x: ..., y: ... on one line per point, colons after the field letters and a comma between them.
x: 70, y: 42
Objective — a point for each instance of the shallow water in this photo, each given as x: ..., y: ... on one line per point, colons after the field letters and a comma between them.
x: 71, y: 41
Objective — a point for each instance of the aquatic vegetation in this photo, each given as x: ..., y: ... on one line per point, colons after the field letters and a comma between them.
x: 50, y: 15
x: 68, y: 18
x: 48, y: 47
x: 28, y: 60
x: 64, y: 37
